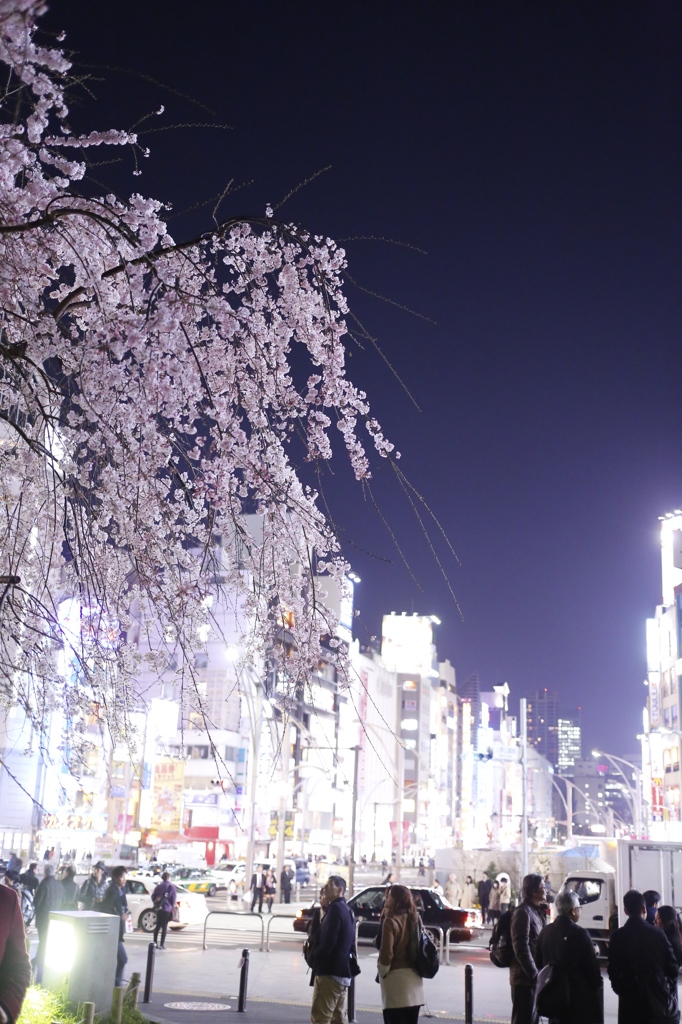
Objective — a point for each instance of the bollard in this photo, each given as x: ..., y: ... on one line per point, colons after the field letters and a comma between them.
x: 468, y: 994
x: 132, y: 994
x: 149, y: 976
x: 351, y: 1002
x: 243, y: 981
x: 89, y: 1013
x: 117, y: 1006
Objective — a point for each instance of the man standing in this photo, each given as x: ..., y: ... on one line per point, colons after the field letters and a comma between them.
x: 526, y: 927
x: 15, y: 968
x: 642, y: 968
x: 331, y: 956
x: 115, y: 903
x: 93, y: 888
x: 652, y: 899
x: 484, y: 887
x: 565, y: 943
x: 285, y: 884
x: 29, y: 879
x: 257, y: 888
x: 49, y: 896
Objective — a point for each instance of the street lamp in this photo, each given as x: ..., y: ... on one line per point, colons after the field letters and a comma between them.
x: 635, y: 796
x: 568, y: 799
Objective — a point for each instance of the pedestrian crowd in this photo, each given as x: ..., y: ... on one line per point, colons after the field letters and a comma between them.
x: 553, y: 967
x: 493, y: 896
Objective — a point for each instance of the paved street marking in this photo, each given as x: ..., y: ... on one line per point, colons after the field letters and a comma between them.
x: 197, y: 1006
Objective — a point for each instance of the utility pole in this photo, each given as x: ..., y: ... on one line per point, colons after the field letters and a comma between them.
x: 283, y: 798
x: 524, y: 786
x: 400, y: 786
x: 255, y: 707
x: 354, y: 817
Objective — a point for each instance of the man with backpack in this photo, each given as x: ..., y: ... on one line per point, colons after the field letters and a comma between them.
x: 527, y: 923
x: 573, y: 994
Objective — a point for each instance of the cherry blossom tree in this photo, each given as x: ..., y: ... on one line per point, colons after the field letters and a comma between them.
x: 155, y: 394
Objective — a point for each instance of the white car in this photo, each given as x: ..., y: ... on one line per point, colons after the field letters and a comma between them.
x: 139, y: 888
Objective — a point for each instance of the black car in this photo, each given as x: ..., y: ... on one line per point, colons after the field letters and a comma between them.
x: 433, y: 908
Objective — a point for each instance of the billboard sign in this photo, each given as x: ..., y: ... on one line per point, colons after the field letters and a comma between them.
x: 167, y: 787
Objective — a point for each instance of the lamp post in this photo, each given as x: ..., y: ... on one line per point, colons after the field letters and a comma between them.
x: 635, y: 796
x: 568, y: 799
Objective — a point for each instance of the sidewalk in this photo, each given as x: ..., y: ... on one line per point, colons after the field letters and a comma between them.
x: 261, y: 1011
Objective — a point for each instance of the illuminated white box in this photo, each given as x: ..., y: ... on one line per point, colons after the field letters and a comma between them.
x: 80, y: 958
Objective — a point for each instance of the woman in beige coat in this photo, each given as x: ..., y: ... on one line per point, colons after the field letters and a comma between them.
x: 402, y: 989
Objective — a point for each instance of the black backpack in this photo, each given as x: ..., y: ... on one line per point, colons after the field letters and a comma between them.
x: 500, y: 945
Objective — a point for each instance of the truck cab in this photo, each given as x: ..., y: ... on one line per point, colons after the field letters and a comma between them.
x: 596, y: 891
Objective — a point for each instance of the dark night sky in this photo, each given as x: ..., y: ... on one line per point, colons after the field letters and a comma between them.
x: 534, y: 151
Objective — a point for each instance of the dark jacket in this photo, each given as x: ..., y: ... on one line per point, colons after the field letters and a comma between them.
x: 49, y: 896
x: 115, y: 902
x: 166, y: 894
x: 92, y: 893
x: 643, y: 973
x: 526, y: 927
x: 29, y: 880
x: 15, y: 967
x: 71, y: 893
x: 285, y: 881
x: 336, y: 940
x: 566, y: 943
x: 484, y: 887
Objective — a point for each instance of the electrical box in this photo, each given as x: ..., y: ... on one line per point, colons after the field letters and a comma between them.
x: 80, y: 957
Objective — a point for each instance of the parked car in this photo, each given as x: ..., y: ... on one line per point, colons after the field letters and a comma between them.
x: 199, y: 880
x: 433, y: 907
x: 191, y: 906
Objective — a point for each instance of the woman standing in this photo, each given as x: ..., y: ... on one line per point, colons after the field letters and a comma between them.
x: 402, y: 989
x: 270, y: 888
x: 494, y: 905
x: 164, y: 898
x: 505, y: 894
x: 668, y: 920
x: 469, y: 894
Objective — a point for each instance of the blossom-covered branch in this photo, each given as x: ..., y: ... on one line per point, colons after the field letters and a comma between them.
x: 155, y: 395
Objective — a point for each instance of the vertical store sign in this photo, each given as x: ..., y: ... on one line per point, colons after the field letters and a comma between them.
x: 167, y: 786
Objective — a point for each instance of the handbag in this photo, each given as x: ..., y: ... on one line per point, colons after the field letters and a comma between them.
x: 426, y: 963
x: 354, y: 965
x: 175, y: 913
x: 552, y: 991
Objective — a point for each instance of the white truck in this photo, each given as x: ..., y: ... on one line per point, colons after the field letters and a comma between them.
x: 640, y: 864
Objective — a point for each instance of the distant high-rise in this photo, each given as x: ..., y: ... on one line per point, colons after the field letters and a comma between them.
x: 542, y: 723
x: 569, y: 740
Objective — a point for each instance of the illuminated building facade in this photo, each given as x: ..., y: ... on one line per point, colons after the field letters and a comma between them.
x: 661, y: 736
x: 570, y: 746
x: 543, y: 724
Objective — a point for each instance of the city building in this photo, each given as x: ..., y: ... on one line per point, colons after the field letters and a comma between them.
x: 569, y: 740
x: 661, y: 723
x: 543, y: 724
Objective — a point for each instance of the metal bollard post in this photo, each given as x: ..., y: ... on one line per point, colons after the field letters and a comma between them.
x: 149, y: 976
x: 89, y: 1013
x: 117, y: 1005
x: 468, y: 994
x: 351, y: 1002
x: 243, y: 981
